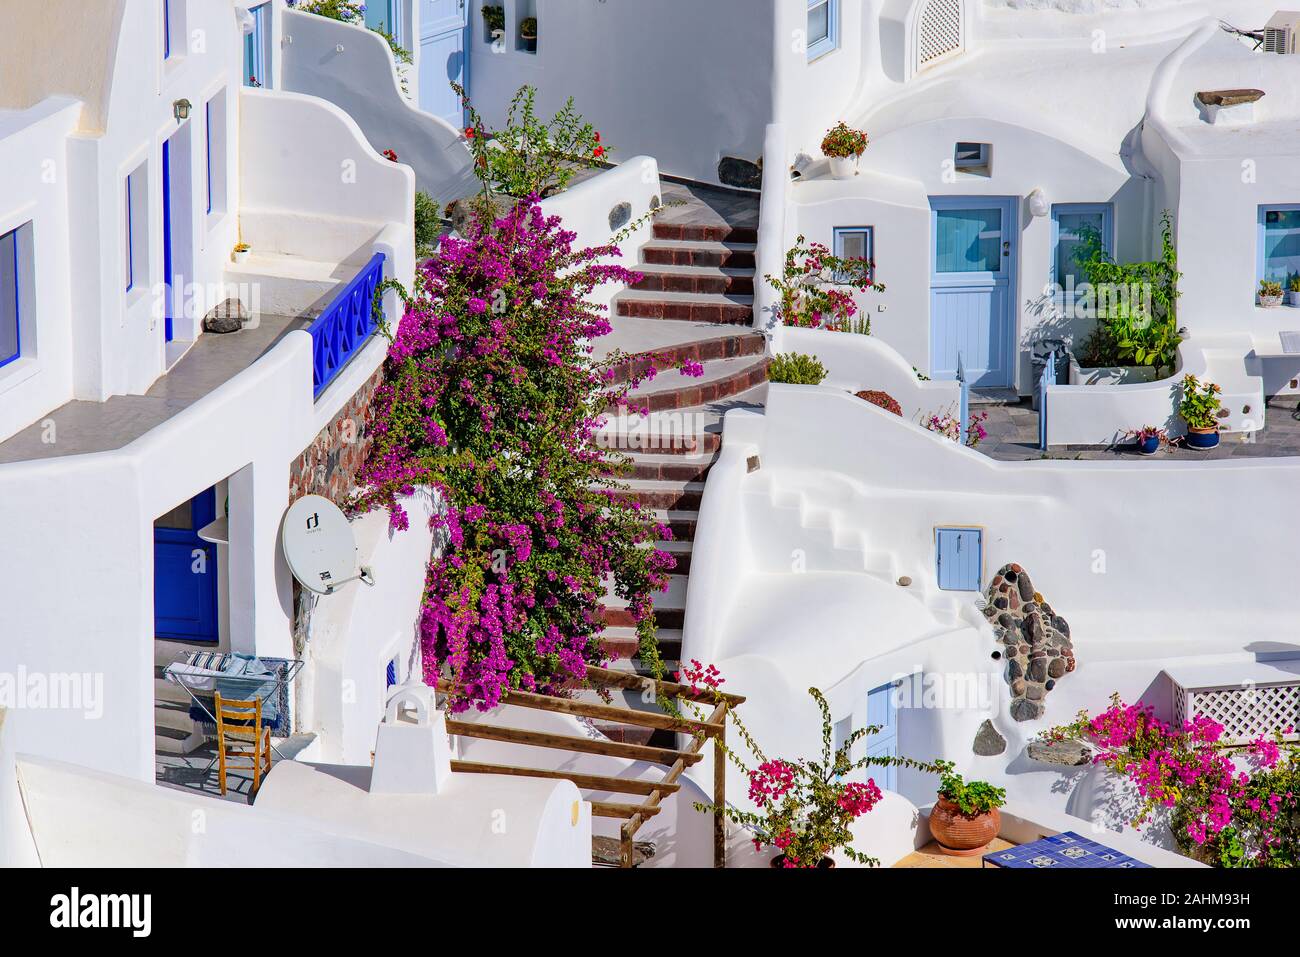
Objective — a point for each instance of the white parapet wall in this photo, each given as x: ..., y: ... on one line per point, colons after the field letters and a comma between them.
x: 353, y: 68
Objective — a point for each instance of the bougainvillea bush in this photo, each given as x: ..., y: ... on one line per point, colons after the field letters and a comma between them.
x: 492, y: 398
x: 817, y: 288
x: 1228, y: 809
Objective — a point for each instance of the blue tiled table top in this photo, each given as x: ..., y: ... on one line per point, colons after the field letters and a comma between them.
x: 1061, y: 850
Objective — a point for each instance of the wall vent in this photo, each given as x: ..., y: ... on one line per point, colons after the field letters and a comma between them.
x: 940, y: 32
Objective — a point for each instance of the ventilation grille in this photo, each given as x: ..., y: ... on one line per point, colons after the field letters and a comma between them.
x: 1278, y: 40
x: 1246, y: 713
x: 939, y: 32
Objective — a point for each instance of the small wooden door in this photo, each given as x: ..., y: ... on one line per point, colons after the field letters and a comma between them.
x: 444, y: 58
x: 959, y: 557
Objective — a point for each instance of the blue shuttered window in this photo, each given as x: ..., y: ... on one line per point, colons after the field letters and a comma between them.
x: 959, y: 558
x: 882, y: 712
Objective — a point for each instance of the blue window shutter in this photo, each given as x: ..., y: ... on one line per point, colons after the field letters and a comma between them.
x: 391, y: 674
x: 959, y: 557
x: 882, y: 712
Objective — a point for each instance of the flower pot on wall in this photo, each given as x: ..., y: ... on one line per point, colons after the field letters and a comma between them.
x: 240, y: 256
x: 844, y: 167
x: 1293, y: 298
x: 1269, y: 302
x: 961, y: 834
x: 1149, y: 445
x: 1202, y: 438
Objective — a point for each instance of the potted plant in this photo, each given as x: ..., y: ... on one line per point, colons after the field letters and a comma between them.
x: 494, y: 23
x: 1293, y: 291
x: 805, y: 809
x: 1270, y: 294
x: 1199, y: 408
x: 965, y: 817
x: 241, y: 252
x: 1149, y: 438
x: 843, y: 145
x: 528, y: 33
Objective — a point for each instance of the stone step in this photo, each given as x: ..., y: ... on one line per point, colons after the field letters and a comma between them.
x: 663, y: 495
x: 712, y: 254
x: 696, y: 279
x: 687, y: 443
x: 174, y: 715
x: 620, y: 617
x: 665, y: 468
x: 671, y: 356
x: 175, y: 741
x: 722, y: 379
x: 686, y: 307
x: 716, y: 233
x: 681, y: 552
x: 622, y: 642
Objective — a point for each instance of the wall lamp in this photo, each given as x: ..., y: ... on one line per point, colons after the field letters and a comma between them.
x: 181, y: 110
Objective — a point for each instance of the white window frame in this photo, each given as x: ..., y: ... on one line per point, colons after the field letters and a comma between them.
x: 868, y: 244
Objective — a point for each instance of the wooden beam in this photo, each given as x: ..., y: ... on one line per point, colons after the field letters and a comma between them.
x: 602, y: 712
x: 719, y: 801
x: 566, y: 742
x: 607, y: 809
x: 672, y: 689
x: 592, y: 782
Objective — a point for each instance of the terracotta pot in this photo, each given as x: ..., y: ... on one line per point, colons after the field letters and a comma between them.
x: 825, y: 864
x: 962, y: 834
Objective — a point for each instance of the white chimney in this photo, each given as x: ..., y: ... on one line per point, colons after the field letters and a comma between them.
x: 412, y: 753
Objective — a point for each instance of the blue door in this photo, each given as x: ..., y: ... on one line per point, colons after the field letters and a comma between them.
x: 882, y: 710
x: 960, y: 558
x: 972, y: 288
x: 444, y: 58
x: 256, y: 48
x: 167, y: 238
x: 185, y: 572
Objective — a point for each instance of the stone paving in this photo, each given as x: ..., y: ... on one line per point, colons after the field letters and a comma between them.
x: 1013, y: 437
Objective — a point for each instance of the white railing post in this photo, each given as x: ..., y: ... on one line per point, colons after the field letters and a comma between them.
x: 772, y: 210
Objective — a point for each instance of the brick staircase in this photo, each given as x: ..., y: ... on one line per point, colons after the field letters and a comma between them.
x: 698, y: 285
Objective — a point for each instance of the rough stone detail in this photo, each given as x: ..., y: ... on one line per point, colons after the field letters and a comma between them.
x: 228, y: 316
x: 1068, y: 753
x: 620, y: 216
x: 329, y: 465
x: 987, y: 740
x: 740, y: 173
x: 1036, y: 640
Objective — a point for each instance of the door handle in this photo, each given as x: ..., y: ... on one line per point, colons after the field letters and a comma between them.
x: 1006, y: 248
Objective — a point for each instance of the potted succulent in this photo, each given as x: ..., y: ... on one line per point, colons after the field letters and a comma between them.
x: 843, y: 145
x: 528, y: 33
x: 805, y: 809
x: 965, y: 817
x: 1199, y: 408
x: 1293, y: 291
x: 1148, y: 439
x: 241, y: 252
x: 1270, y: 294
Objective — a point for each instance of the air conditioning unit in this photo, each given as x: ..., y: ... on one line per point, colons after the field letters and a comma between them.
x: 1281, y: 33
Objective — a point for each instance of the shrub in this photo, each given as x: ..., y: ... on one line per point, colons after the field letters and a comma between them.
x: 492, y: 398
x: 1218, y: 813
x: 494, y: 18
x: 971, y: 797
x: 428, y: 227
x: 530, y: 156
x: 795, y: 368
x: 843, y: 141
x: 1268, y: 288
x: 882, y: 399
x: 817, y: 288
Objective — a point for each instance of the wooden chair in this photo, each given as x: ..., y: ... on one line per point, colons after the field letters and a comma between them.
x: 243, y: 743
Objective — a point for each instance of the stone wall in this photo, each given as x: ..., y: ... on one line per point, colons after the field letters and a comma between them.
x: 329, y: 466
x: 1036, y: 641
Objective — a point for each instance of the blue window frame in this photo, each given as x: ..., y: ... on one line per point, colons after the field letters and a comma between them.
x: 1070, y: 221
x: 959, y: 558
x: 167, y: 28
x: 1279, y: 243
x: 856, y: 242
x: 130, y: 237
x: 823, y: 27
x: 136, y: 223
x: 11, y: 345
x: 207, y: 148
x: 390, y: 674
x: 256, y: 48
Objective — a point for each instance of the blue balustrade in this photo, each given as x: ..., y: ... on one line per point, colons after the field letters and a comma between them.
x: 345, y: 326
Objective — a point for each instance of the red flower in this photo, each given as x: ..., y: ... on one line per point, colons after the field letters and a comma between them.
x: 389, y: 154
x: 469, y: 132
x: 599, y: 152
x: 597, y: 137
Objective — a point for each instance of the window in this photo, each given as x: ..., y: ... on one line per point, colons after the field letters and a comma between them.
x: 136, y: 221
x: 1279, y: 243
x: 214, y: 120
x: 823, y: 27
x: 973, y: 158
x: 855, y: 242
x: 167, y: 28
x: 173, y: 28
x: 10, y: 297
x: 940, y: 32
x: 1071, y: 225
x: 257, y: 49
x: 959, y: 558
x: 382, y: 15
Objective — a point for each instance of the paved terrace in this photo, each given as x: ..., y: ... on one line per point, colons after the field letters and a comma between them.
x: 1013, y: 437
x: 81, y: 427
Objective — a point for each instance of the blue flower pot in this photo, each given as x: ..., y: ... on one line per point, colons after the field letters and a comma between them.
x: 1202, y: 440
x: 1149, y: 446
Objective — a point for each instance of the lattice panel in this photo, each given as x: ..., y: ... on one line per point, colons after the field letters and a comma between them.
x: 939, y: 32
x: 1246, y: 713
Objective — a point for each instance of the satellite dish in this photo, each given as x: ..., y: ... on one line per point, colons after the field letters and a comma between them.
x: 319, y: 545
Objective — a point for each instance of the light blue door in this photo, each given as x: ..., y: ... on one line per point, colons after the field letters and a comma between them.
x: 882, y: 710
x: 972, y: 288
x: 444, y: 59
x: 256, y: 44
x: 960, y: 558
x: 185, y: 572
